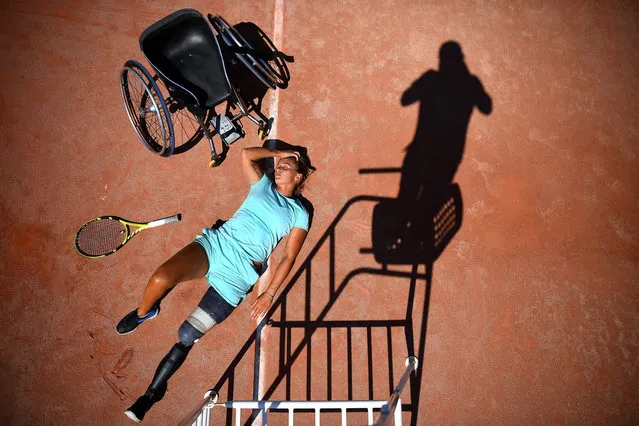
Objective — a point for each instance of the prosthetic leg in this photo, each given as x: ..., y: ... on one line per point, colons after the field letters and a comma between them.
x: 155, y: 392
x: 211, y: 310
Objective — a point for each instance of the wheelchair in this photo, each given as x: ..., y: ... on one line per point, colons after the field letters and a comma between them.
x: 173, y: 109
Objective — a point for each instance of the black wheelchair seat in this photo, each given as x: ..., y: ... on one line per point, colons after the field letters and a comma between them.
x: 184, y: 50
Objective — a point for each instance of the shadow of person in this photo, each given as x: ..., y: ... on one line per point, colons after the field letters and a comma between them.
x: 447, y: 98
x: 416, y: 227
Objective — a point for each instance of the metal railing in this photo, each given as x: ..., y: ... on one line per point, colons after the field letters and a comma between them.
x: 200, y: 416
x: 291, y: 406
x: 394, y: 401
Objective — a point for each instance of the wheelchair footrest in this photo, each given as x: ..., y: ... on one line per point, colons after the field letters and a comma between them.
x: 226, y: 129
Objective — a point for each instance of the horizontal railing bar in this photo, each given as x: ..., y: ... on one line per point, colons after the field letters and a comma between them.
x: 324, y: 410
x: 254, y: 405
x: 337, y: 324
x: 380, y: 170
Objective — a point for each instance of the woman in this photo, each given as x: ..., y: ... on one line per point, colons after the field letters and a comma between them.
x: 231, y: 258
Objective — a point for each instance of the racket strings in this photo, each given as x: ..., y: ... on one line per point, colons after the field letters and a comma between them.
x: 101, y: 237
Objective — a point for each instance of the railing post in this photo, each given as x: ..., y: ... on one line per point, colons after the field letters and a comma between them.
x: 398, y: 412
x: 389, y: 408
x: 210, y: 398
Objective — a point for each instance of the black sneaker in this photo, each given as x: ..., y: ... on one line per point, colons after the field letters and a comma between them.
x: 131, y: 321
x: 137, y: 411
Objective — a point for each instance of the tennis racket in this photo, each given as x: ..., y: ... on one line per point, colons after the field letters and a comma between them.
x: 105, y: 235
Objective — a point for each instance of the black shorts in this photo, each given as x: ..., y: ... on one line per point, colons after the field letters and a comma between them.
x: 214, y: 305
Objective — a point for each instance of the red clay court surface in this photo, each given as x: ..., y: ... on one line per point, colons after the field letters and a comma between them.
x: 534, y: 304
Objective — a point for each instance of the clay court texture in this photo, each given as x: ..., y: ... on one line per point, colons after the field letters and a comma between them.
x: 533, y: 310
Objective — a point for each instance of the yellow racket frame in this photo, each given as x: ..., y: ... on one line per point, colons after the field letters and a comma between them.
x: 141, y: 226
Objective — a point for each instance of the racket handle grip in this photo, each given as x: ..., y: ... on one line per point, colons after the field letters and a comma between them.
x: 171, y: 219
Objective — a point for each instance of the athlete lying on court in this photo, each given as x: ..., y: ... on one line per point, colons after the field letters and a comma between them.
x: 231, y: 258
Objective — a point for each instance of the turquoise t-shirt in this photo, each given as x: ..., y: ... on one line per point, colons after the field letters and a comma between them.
x: 263, y: 219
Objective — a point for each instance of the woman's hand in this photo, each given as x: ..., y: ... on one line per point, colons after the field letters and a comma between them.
x: 260, y: 306
x: 288, y: 153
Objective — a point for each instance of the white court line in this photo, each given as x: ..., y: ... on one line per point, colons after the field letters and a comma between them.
x: 278, y: 36
x: 278, y: 24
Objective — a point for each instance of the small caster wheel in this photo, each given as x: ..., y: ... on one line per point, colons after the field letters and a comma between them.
x: 265, y: 128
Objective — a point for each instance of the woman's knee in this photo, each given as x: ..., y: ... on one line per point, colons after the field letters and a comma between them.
x: 163, y: 278
x: 189, y: 263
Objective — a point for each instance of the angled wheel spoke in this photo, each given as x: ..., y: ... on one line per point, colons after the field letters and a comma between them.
x: 145, y: 107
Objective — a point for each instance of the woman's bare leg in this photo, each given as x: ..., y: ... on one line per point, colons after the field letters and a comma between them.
x: 187, y: 264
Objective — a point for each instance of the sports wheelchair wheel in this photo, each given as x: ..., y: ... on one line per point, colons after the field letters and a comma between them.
x: 186, y: 129
x: 271, y: 71
x: 146, y: 108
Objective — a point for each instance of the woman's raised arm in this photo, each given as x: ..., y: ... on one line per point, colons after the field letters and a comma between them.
x: 251, y: 156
